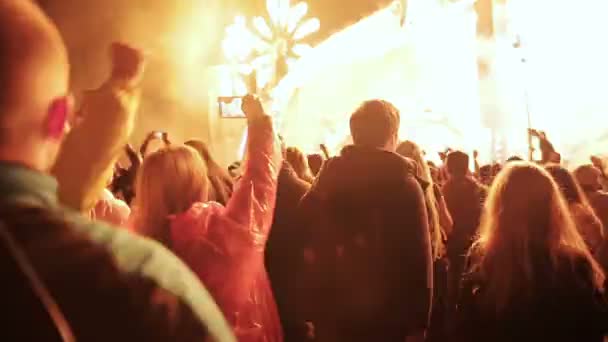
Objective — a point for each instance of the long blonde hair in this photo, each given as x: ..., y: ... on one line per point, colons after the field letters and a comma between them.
x: 168, y: 182
x: 525, y: 214
x: 410, y: 150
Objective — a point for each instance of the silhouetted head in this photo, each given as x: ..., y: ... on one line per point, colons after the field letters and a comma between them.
x: 514, y: 159
x: 567, y: 184
x: 411, y: 150
x: 375, y: 124
x: 588, y: 176
x: 34, y: 73
x: 457, y: 163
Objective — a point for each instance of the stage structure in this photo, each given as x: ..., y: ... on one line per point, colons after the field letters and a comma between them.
x: 426, y: 67
x: 265, y: 54
x: 545, y: 68
x: 465, y: 74
x: 268, y: 47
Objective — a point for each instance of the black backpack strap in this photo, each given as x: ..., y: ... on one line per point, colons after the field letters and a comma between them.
x: 36, y: 284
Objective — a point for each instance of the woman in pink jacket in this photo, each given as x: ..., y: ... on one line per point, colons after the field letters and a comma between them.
x: 224, y: 246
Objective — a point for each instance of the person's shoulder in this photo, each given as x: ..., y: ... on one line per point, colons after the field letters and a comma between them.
x: 331, y: 163
x: 474, y: 185
x: 599, y: 197
x: 133, y: 253
x: 141, y: 258
x: 330, y: 169
x: 148, y: 259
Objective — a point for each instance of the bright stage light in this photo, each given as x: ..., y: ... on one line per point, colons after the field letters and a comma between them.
x: 431, y: 63
x: 278, y: 38
x: 565, y: 73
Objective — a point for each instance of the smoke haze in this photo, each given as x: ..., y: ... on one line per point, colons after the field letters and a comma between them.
x: 179, y: 38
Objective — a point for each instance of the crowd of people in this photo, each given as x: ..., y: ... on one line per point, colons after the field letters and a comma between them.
x: 375, y: 244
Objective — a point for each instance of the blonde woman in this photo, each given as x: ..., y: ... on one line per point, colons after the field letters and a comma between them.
x: 440, y: 221
x: 224, y: 246
x: 531, y: 276
x: 440, y: 224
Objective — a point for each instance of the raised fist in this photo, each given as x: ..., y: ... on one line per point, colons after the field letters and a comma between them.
x: 127, y: 64
x: 252, y: 107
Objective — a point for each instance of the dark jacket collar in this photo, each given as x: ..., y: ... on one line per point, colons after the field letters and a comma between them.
x: 383, y: 159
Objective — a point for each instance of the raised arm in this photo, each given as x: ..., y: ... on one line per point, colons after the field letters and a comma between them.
x: 253, y: 200
x: 87, y: 157
x: 476, y: 163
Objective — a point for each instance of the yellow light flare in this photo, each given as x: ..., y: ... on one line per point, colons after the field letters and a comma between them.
x: 301, y: 49
x: 565, y: 74
x: 429, y: 65
x: 238, y: 43
x: 306, y: 28
x: 296, y: 14
x: 280, y: 37
x: 262, y: 27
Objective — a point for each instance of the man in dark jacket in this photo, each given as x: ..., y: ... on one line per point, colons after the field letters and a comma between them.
x: 282, y: 247
x: 368, y: 250
x: 464, y: 197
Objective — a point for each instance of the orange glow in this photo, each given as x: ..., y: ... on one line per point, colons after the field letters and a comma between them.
x: 429, y: 64
x: 565, y: 73
x: 429, y: 70
x: 259, y: 48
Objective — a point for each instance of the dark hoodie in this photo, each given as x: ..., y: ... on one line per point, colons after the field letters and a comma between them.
x: 368, y: 249
x: 282, y: 253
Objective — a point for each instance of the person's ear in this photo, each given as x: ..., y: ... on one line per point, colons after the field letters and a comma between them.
x: 57, y: 117
x: 394, y: 142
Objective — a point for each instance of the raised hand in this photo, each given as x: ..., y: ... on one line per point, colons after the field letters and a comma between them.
x: 442, y: 156
x: 253, y: 109
x: 107, y: 118
x: 325, y: 151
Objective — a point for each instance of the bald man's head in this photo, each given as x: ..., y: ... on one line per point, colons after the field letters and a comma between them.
x: 34, y: 74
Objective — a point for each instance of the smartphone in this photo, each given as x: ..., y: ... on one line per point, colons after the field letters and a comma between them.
x: 230, y: 107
